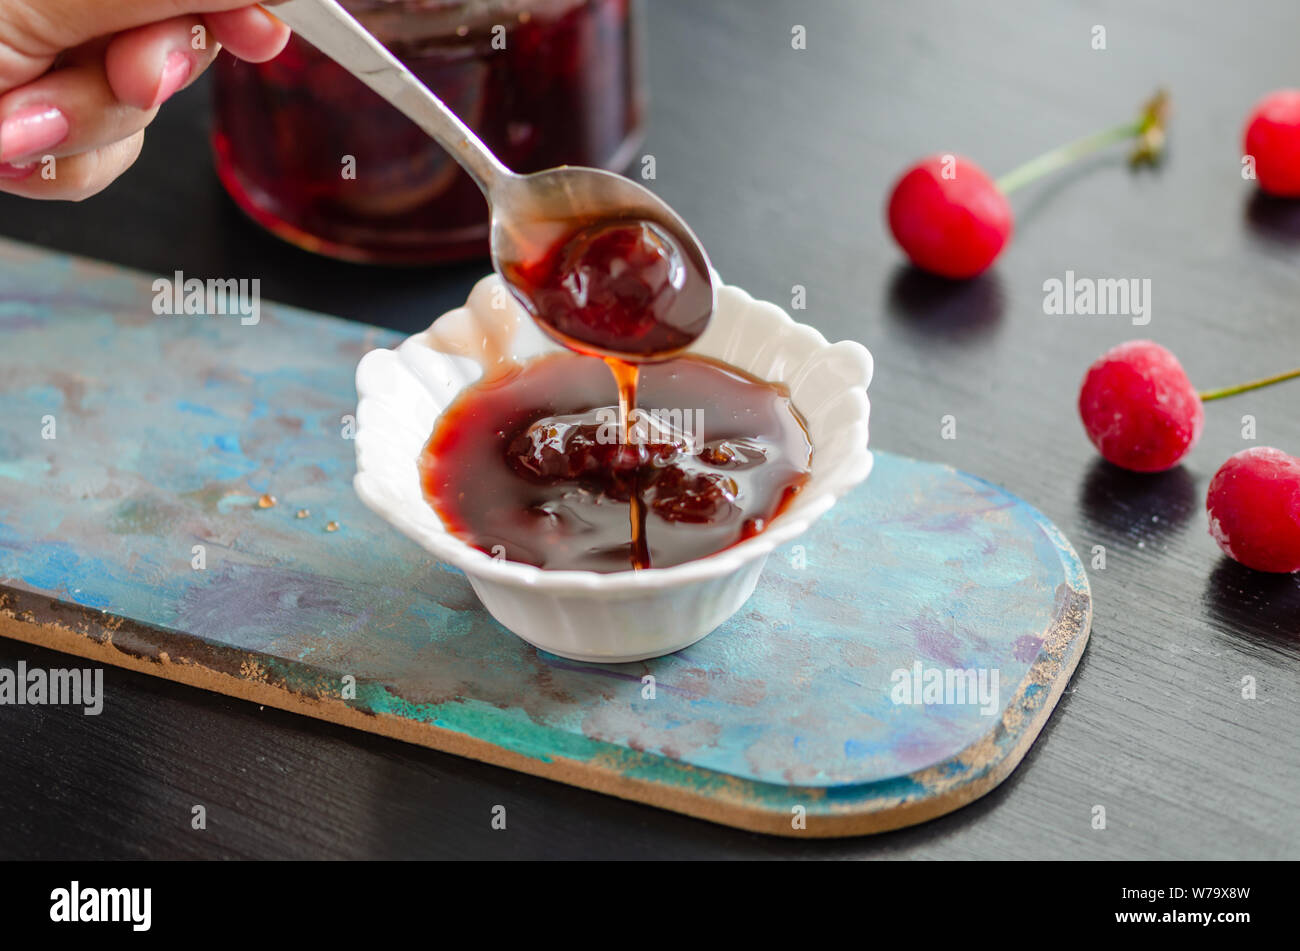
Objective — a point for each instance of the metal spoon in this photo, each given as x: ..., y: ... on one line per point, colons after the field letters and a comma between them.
x: 529, y: 213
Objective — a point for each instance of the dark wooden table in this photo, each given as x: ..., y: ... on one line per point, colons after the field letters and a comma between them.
x: 781, y: 159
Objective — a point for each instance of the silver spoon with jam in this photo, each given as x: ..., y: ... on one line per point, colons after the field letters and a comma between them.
x: 602, y: 264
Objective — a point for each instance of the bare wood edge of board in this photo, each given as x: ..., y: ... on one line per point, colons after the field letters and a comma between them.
x: 968, y: 775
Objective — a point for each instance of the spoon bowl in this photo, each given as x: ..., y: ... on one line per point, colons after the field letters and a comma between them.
x: 532, y: 214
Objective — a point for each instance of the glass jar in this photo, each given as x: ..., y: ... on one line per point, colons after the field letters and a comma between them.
x: 318, y: 158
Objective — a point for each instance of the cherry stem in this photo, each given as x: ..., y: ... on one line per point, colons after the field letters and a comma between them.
x: 1060, y: 157
x: 1246, y: 387
x: 1148, y: 128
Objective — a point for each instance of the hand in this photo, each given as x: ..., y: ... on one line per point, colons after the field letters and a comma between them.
x: 80, y: 80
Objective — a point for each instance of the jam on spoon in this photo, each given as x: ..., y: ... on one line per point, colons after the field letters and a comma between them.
x: 616, y: 288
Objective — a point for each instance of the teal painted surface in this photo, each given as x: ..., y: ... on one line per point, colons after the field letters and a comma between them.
x: 168, y: 429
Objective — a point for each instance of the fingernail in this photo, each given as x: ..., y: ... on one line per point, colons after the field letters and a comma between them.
x: 14, y: 172
x: 31, y: 131
x: 176, y: 71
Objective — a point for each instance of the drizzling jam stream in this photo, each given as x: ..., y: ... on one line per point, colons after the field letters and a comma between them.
x: 535, y: 463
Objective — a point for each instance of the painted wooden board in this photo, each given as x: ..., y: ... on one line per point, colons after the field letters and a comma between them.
x: 167, y: 430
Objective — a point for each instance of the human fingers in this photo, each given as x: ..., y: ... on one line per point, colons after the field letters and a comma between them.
x: 74, y: 178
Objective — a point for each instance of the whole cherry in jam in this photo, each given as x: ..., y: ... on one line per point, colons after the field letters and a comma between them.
x: 619, y: 288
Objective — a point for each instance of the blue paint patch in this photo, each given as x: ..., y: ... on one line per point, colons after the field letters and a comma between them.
x: 185, y: 406
x: 223, y: 442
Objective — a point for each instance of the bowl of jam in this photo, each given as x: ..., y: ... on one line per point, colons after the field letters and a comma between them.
x: 594, y: 523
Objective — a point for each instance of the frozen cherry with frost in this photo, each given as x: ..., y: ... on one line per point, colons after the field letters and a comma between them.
x: 1254, y: 509
x: 1139, y: 408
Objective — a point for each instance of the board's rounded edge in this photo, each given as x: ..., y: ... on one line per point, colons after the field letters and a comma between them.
x: 952, y: 783
x: 741, y: 804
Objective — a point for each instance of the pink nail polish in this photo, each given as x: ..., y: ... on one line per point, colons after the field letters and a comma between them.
x: 176, y: 71
x: 31, y: 131
x: 12, y: 173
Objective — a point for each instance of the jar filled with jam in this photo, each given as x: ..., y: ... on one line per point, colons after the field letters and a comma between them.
x: 318, y: 158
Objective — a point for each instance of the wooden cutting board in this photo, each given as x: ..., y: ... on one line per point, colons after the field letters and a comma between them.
x: 134, y: 449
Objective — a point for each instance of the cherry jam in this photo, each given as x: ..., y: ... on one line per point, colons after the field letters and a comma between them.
x: 536, y: 465
x: 615, y: 286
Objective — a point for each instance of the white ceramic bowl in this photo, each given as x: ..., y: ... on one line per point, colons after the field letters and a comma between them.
x: 625, y: 616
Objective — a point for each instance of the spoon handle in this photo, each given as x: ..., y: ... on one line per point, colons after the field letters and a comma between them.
x: 334, y: 31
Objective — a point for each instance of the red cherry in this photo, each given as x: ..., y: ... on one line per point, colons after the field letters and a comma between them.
x: 1139, y: 408
x: 1273, y: 138
x: 949, y: 217
x: 1254, y: 507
